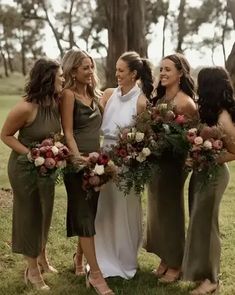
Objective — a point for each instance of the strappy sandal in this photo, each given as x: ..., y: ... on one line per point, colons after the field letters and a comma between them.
x: 46, y: 267
x: 99, y: 284
x: 37, y: 282
x: 78, y: 268
x: 206, y: 287
x: 170, y: 276
x: 161, y: 270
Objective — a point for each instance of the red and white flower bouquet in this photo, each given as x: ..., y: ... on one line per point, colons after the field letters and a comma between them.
x: 99, y: 170
x: 206, y: 146
x: 49, y: 156
x: 132, y: 154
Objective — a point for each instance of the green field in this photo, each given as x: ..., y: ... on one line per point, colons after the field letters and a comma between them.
x: 61, y: 249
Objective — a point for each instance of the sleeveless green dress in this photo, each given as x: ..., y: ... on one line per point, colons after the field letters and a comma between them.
x: 33, y: 197
x: 165, y: 230
x: 202, y: 250
x: 81, y: 210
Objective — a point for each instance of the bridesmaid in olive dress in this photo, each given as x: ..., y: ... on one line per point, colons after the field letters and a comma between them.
x: 201, y: 261
x: 36, y: 117
x: 81, y: 121
x: 165, y: 207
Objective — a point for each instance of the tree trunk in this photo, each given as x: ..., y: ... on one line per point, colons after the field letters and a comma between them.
x: 181, y: 26
x: 116, y: 13
x: 230, y: 63
x: 23, y: 59
x: 57, y: 39
x: 4, y: 62
x: 136, y: 27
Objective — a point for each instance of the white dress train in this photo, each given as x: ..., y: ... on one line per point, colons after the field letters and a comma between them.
x: 119, y: 218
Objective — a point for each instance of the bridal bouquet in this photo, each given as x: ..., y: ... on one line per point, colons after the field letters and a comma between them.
x: 132, y: 154
x: 170, y: 130
x: 48, y: 157
x: 205, y: 148
x: 99, y: 170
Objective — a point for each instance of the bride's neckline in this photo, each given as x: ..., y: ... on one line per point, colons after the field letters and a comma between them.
x: 129, y: 94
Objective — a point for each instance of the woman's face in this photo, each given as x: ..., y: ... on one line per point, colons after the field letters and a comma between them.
x: 59, y: 80
x: 84, y: 73
x: 169, y: 75
x: 123, y: 74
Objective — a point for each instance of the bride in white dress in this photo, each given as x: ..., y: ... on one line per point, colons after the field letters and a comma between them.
x: 119, y: 218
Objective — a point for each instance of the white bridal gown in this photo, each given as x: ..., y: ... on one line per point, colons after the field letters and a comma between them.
x: 119, y: 218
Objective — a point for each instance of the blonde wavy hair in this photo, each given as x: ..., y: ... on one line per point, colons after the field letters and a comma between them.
x: 72, y: 60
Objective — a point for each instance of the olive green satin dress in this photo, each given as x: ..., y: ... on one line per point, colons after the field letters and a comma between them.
x: 165, y: 230
x: 33, y: 195
x: 203, y: 250
x: 81, y: 210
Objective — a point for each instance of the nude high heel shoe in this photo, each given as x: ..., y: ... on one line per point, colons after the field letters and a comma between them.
x: 99, y: 284
x: 36, y: 281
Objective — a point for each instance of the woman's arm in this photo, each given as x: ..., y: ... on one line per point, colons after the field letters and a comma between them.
x: 105, y: 97
x: 141, y: 104
x: 66, y: 111
x: 186, y: 106
x: 18, y: 117
x: 228, y: 127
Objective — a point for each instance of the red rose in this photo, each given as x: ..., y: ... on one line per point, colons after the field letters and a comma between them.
x: 103, y: 159
x: 49, y: 163
x: 49, y: 154
x: 35, y: 152
x: 122, y: 153
x: 180, y: 119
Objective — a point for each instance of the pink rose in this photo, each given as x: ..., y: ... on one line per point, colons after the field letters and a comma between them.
x: 44, y: 149
x: 93, y: 157
x: 47, y: 142
x: 217, y: 144
x: 180, y: 119
x: 50, y: 163
x: 94, y: 180
x: 198, y: 140
x: 207, y: 132
x: 63, y: 152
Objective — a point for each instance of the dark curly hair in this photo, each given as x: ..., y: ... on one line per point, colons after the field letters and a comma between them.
x: 143, y: 69
x: 215, y: 94
x: 187, y: 84
x: 40, y: 87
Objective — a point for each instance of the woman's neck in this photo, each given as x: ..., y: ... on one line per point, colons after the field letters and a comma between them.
x: 126, y: 89
x: 171, y: 92
x: 81, y: 89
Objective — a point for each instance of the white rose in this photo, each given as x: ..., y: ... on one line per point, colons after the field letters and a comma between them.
x: 39, y: 161
x: 146, y: 152
x: 162, y: 106
x: 130, y: 135
x: 99, y: 169
x: 192, y: 130
x: 110, y: 163
x: 139, y: 136
x: 29, y: 157
x: 140, y: 158
x: 58, y: 144
x: 198, y: 140
x: 55, y: 150
x: 207, y: 144
x: 166, y: 128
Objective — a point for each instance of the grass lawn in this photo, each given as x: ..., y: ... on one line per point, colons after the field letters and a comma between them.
x: 61, y: 249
